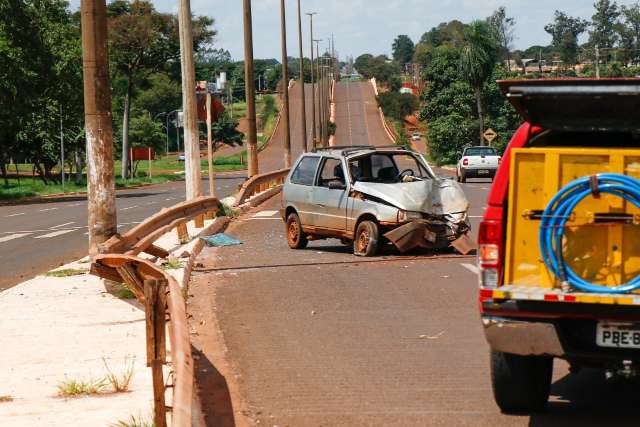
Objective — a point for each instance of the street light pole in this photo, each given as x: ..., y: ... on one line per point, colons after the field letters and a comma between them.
x: 313, y: 84
x: 61, y: 149
x: 193, y: 177
x: 250, y: 92
x: 285, y: 87
x: 101, y: 184
x: 302, y: 85
x: 319, y: 88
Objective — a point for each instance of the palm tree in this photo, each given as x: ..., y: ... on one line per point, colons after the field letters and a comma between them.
x: 477, y: 60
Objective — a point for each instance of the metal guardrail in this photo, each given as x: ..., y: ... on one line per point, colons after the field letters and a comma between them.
x: 260, y: 183
x: 162, y: 297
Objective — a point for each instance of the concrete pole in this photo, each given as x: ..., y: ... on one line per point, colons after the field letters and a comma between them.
x: 250, y: 92
x: 212, y: 176
x: 303, y: 97
x: 313, y: 84
x: 191, y: 135
x: 285, y: 87
x: 597, y: 62
x: 101, y: 183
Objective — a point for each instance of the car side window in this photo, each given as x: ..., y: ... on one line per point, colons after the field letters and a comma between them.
x: 331, y: 171
x: 305, y: 172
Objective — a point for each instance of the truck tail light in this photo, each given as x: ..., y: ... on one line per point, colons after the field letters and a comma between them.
x: 465, y: 162
x: 490, y: 253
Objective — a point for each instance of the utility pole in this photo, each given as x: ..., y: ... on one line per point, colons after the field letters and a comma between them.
x: 212, y: 176
x: 101, y: 185
x: 319, y: 88
x: 61, y: 149
x: 285, y: 87
x: 191, y: 134
x: 250, y: 92
x: 302, y: 86
x: 313, y: 84
x: 597, y: 61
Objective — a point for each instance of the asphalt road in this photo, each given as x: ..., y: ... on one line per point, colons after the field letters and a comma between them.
x: 319, y: 337
x: 37, y: 237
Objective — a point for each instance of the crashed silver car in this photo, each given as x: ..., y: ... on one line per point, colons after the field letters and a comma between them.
x: 368, y: 196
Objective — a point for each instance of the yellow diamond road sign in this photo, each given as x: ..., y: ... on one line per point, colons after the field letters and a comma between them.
x: 490, y: 135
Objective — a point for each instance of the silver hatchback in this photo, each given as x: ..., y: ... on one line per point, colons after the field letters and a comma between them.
x: 369, y: 195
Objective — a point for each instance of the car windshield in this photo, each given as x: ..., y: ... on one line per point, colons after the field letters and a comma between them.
x: 387, y: 168
x: 480, y: 151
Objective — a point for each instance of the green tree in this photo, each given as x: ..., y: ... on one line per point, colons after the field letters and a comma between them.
x: 402, y: 48
x: 603, y: 33
x: 397, y: 105
x: 477, y: 60
x: 503, y: 29
x: 565, y: 31
x: 362, y: 64
x: 225, y: 130
x: 631, y: 28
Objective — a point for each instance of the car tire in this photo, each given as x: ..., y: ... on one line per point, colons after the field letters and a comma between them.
x: 367, y: 239
x: 521, y: 384
x: 295, y: 236
x: 463, y: 177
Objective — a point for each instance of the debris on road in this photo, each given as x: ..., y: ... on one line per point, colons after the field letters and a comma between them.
x: 220, y: 239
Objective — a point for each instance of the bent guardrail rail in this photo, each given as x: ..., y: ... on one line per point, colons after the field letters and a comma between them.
x: 161, y: 295
x: 261, y: 185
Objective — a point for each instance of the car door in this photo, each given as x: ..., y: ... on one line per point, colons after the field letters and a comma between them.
x: 298, y: 192
x: 330, y: 204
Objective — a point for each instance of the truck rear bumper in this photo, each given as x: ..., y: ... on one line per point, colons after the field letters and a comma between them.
x: 522, y: 337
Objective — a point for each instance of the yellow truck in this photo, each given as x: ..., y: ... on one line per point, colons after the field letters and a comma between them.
x: 559, y: 244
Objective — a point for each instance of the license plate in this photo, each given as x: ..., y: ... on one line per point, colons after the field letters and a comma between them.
x: 483, y: 172
x: 618, y: 335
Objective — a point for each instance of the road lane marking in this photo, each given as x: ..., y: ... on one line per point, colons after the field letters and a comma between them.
x: 13, y: 236
x: 264, y: 214
x: 47, y: 210
x: 472, y: 268
x: 54, y: 234
x: 74, y: 205
x: 130, y: 207
x: 16, y: 214
x: 62, y: 225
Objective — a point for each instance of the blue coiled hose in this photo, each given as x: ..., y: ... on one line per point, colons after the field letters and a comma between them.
x: 558, y: 212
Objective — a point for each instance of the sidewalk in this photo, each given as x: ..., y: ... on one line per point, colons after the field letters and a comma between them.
x: 57, y: 329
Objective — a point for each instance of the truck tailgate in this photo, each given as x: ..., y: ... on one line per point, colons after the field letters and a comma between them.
x: 602, y: 241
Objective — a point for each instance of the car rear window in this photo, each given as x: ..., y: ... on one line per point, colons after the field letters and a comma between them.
x: 305, y: 172
x: 480, y: 151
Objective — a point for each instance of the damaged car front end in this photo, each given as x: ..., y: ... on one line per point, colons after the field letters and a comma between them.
x: 430, y: 213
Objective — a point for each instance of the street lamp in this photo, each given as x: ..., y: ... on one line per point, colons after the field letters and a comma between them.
x: 313, y: 84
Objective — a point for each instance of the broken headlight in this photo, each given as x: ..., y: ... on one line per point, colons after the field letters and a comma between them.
x: 404, y: 216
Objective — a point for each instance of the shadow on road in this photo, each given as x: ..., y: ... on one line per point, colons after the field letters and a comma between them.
x: 587, y: 399
x: 213, y: 392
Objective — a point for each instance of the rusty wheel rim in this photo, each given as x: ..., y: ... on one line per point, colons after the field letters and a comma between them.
x: 293, y: 232
x: 363, y: 240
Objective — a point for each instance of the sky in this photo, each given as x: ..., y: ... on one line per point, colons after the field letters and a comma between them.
x: 368, y: 26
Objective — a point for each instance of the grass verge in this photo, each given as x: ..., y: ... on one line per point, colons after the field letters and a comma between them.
x: 66, y: 272
x: 76, y: 388
x: 133, y: 421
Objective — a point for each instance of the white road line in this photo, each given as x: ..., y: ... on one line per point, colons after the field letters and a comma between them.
x: 472, y: 268
x: 18, y: 214
x: 264, y: 214
x: 54, y: 234
x: 13, y: 236
x: 130, y: 207
x: 476, y: 216
x: 62, y: 225
x: 74, y: 205
x: 47, y: 210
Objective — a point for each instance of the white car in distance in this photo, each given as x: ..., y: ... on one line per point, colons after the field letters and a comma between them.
x: 477, y: 162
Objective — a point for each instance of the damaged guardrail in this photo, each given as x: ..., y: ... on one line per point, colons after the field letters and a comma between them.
x: 161, y: 295
x: 260, y: 187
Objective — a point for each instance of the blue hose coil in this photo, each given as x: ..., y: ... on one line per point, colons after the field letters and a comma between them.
x: 558, y: 212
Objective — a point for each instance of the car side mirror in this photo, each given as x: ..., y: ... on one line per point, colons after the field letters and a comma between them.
x: 336, y: 184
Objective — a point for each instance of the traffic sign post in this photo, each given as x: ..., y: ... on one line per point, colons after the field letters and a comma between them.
x: 489, y: 135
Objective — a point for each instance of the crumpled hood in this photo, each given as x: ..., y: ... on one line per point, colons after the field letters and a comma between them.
x: 435, y: 197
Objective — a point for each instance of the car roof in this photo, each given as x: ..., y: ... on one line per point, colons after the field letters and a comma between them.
x: 352, y: 150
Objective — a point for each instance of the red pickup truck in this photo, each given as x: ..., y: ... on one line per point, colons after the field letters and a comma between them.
x: 573, y: 128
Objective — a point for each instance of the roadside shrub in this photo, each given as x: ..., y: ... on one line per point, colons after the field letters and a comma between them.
x: 397, y: 105
x: 449, y: 135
